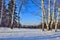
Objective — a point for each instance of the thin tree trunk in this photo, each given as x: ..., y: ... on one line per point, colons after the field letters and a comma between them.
x: 13, y: 15
x: 53, y: 14
x: 43, y: 15
x: 56, y: 24
x: 48, y: 14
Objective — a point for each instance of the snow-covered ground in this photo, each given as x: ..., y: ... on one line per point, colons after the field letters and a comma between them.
x: 30, y: 34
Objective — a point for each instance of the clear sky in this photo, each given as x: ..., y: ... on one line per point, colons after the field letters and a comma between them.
x: 30, y: 14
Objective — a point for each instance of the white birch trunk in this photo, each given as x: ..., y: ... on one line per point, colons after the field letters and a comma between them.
x: 48, y: 14
x: 56, y: 24
x: 53, y: 14
x: 43, y: 15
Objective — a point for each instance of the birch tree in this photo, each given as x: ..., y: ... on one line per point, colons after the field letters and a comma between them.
x: 56, y: 23
x: 48, y: 21
x: 54, y: 2
x: 57, y: 14
x: 43, y: 15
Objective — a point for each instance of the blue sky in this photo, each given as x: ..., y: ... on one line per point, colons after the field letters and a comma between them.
x: 27, y: 14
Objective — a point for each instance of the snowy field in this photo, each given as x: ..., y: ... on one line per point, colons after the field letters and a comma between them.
x: 28, y: 34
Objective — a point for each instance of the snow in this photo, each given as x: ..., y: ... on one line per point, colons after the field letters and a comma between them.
x: 35, y: 34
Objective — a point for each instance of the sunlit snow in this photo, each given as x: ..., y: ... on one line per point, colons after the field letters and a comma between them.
x: 29, y: 33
